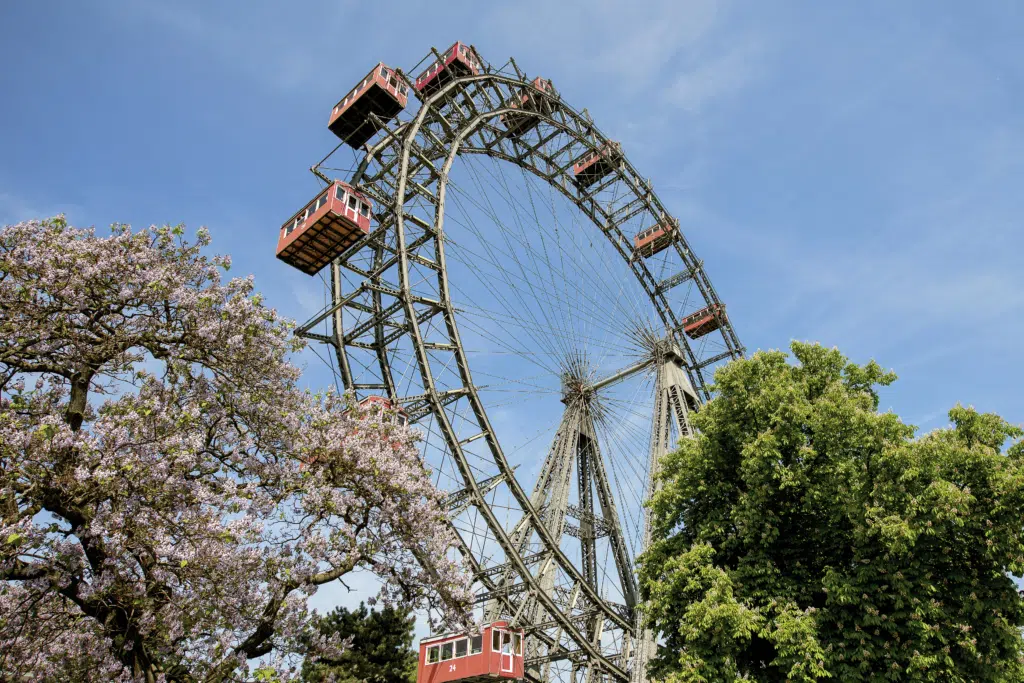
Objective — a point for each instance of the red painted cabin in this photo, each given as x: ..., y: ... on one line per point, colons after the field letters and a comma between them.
x: 517, y: 124
x: 495, y: 653
x: 656, y: 238
x: 324, y: 228
x: 597, y: 163
x: 382, y: 93
x: 457, y: 61
x: 376, y: 405
x: 703, y: 321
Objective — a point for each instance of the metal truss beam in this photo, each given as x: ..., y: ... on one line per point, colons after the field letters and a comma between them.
x: 679, y: 278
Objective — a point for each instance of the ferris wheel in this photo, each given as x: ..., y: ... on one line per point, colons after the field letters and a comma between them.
x: 499, y: 273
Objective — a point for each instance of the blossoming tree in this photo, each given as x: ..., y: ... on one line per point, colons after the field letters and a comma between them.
x: 168, y: 497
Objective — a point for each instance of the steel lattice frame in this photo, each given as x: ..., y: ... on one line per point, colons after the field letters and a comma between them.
x: 405, y: 171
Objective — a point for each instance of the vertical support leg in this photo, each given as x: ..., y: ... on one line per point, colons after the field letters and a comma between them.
x: 587, y: 532
x: 673, y: 398
x: 550, y: 498
x: 338, y: 327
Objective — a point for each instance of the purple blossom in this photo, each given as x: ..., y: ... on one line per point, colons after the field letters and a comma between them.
x: 168, y: 497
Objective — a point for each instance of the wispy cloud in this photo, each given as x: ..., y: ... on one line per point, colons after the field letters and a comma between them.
x: 706, y: 80
x: 652, y: 74
x: 885, y: 291
x: 636, y: 42
x: 15, y: 208
x: 288, y: 56
x: 622, y: 45
x: 310, y: 295
x: 907, y: 244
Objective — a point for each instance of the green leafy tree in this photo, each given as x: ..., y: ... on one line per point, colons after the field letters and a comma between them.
x: 378, y: 647
x: 803, y: 535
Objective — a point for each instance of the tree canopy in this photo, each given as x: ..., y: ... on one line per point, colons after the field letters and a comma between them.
x: 169, y: 497
x: 803, y: 535
x: 378, y: 647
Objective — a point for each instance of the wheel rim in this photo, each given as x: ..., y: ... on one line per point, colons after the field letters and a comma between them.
x: 387, y: 323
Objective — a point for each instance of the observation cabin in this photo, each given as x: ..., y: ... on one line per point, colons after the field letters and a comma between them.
x: 656, y: 238
x: 457, y: 61
x: 705, y: 320
x: 597, y: 163
x: 336, y: 218
x: 517, y: 124
x: 382, y: 94
x: 373, y: 406
x: 496, y: 652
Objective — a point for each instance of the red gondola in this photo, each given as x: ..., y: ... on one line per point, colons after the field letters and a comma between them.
x: 517, y: 124
x: 381, y: 93
x: 324, y: 228
x: 497, y: 652
x: 596, y: 164
x: 703, y: 321
x: 458, y: 60
x: 376, y: 405
x: 656, y: 238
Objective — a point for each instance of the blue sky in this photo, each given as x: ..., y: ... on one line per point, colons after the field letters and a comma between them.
x: 845, y: 170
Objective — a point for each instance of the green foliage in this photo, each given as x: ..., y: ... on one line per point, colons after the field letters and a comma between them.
x: 803, y: 535
x: 379, y: 651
